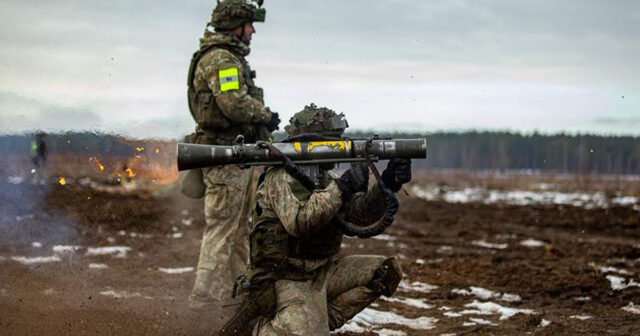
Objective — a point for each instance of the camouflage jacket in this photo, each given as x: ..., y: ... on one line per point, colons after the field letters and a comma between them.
x: 225, y: 101
x: 306, y: 216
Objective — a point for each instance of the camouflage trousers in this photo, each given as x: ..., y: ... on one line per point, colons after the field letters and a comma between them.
x: 341, y: 289
x: 224, y: 253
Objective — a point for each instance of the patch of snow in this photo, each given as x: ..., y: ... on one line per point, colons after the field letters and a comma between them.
x: 482, y: 243
x: 475, y: 312
x: 21, y: 218
x: 66, y: 248
x: 98, y: 266
x: 49, y: 291
x: 625, y: 201
x: 176, y: 235
x: 486, y: 294
x: 481, y: 321
x: 187, y: 222
x: 416, y: 286
x: 111, y: 239
x: 619, y: 283
x: 124, y: 295
x: 117, y: 251
x: 389, y: 332
x: 409, y: 302
x: 122, y: 233
x: 15, y: 179
x: 445, y: 249
x: 445, y: 308
x: 582, y: 298
x: 494, y: 308
x: 178, y: 270
x: 350, y: 327
x: 521, y: 197
x: 606, y: 269
x: 580, y: 317
x: 469, y: 324
x: 371, y: 317
x: 532, y: 243
x: 420, y: 261
x: 384, y: 237
x: 544, y: 323
x: 451, y: 314
x: 36, y: 260
x: 632, y: 308
x: 36, y: 244
x: 403, y: 245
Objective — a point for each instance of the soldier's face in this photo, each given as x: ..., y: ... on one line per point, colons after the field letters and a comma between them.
x: 249, y: 30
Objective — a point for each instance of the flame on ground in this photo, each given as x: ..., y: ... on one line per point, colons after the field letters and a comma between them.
x: 139, y: 149
x: 97, y: 162
x: 130, y: 172
x: 62, y: 180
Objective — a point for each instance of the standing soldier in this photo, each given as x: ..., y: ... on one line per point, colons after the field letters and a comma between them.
x: 38, y: 149
x: 225, y: 103
x: 296, y: 281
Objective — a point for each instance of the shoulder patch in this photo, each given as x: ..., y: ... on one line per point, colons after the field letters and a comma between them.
x: 229, y: 79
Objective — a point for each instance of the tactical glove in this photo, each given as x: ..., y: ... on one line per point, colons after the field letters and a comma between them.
x: 273, y: 123
x: 354, y: 180
x: 398, y: 172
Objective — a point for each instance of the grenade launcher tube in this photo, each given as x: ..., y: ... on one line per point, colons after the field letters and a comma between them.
x: 192, y: 156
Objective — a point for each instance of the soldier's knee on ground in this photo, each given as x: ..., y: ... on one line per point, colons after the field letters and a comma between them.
x: 386, y: 278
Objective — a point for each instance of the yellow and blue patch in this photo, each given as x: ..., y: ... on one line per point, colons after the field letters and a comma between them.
x: 229, y: 79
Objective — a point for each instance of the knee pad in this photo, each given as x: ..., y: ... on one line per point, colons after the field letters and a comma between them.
x: 386, y: 278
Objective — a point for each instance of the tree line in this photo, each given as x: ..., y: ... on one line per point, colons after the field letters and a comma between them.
x: 501, y: 151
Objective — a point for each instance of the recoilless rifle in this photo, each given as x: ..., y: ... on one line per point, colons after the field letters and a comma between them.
x: 301, y: 156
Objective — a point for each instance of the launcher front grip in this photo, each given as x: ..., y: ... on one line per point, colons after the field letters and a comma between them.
x: 192, y: 156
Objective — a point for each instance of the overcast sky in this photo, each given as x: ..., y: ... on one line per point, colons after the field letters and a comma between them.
x: 120, y: 66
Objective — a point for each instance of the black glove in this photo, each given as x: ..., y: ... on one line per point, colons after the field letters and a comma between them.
x: 273, y: 123
x: 354, y: 180
x: 398, y: 172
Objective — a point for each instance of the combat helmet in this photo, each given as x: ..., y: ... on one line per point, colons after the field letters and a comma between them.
x: 319, y: 120
x: 230, y: 14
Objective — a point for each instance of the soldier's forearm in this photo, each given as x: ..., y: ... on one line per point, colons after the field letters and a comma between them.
x: 366, y: 208
x: 317, y: 211
x: 243, y: 109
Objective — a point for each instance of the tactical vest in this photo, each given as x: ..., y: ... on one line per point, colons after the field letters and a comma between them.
x: 271, y: 246
x: 213, y: 126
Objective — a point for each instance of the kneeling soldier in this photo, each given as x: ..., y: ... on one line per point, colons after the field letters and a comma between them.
x: 295, y: 279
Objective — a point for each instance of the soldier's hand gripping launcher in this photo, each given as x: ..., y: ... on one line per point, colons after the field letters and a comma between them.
x: 192, y: 156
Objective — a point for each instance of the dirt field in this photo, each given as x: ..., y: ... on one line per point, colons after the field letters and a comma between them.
x: 472, y: 268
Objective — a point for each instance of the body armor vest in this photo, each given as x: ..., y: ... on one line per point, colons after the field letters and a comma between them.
x: 213, y: 126
x: 271, y: 246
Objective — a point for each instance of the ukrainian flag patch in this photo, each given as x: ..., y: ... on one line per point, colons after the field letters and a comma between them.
x: 229, y: 79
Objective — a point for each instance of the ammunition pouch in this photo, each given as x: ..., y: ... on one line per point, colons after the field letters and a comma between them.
x: 192, y: 182
x: 207, y: 113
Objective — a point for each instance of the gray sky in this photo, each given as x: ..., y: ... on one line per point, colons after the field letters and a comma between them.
x: 120, y: 66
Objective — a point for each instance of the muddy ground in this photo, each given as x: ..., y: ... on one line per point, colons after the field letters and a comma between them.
x: 465, y: 265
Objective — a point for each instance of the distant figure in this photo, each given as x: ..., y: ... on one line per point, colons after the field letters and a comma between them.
x: 39, y: 151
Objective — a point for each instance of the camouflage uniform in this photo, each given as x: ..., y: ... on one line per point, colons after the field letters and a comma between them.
x: 225, y: 103
x: 316, y: 291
